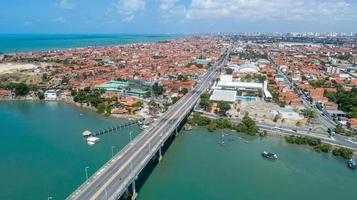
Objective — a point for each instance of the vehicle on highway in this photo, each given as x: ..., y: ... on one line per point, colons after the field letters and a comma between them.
x: 331, y: 131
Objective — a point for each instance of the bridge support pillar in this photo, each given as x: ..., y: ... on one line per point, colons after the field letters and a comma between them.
x: 176, y: 131
x: 135, y: 194
x: 160, y: 155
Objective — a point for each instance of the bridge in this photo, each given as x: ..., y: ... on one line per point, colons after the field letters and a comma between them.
x: 119, y: 174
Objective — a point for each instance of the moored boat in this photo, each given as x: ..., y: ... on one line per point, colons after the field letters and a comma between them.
x: 352, y: 164
x: 269, y: 155
x: 86, y: 134
x: 92, y: 140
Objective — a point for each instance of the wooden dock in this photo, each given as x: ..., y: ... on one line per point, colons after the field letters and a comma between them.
x: 114, y: 128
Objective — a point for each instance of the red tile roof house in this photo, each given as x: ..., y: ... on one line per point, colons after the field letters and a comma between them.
x: 353, y: 124
x: 5, y: 94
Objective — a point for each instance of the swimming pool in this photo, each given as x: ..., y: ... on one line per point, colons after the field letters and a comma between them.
x: 246, y: 99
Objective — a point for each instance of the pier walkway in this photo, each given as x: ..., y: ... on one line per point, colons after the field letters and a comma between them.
x: 113, y: 128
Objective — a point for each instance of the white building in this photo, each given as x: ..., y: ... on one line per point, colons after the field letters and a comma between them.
x: 51, y: 95
x: 332, y: 70
x: 245, y: 68
x: 227, y: 83
x: 224, y: 95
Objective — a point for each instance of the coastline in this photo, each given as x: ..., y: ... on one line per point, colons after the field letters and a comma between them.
x: 282, y: 138
x: 117, y: 41
x: 91, y: 109
x: 78, y: 105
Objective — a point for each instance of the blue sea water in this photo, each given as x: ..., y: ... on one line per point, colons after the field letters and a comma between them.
x: 12, y: 43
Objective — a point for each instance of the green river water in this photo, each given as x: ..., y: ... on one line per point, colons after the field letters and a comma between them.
x: 43, y: 154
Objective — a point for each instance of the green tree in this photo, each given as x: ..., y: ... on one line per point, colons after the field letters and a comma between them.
x: 223, y: 107
x: 184, y: 91
x: 65, y: 80
x: 74, y: 93
x: 182, y: 78
x: 40, y: 95
x: 247, y: 126
x: 309, y: 113
x: 229, y: 71
x: 20, y: 89
x: 157, y: 89
x: 343, y: 152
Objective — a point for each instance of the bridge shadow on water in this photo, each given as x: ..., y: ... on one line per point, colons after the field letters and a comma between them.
x: 149, y: 168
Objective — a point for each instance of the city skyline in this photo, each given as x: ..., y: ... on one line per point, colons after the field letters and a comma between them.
x: 177, y: 16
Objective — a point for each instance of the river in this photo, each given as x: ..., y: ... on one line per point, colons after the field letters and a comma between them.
x: 43, y: 154
x: 42, y: 150
x: 197, y: 167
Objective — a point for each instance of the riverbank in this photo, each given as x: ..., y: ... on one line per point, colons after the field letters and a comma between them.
x: 196, y: 166
x: 78, y: 105
x: 248, y: 126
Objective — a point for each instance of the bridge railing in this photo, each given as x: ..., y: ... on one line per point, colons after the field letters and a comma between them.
x: 107, y: 164
x: 125, y: 149
x: 154, y: 149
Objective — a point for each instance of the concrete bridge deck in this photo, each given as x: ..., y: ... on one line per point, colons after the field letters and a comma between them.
x: 113, y: 179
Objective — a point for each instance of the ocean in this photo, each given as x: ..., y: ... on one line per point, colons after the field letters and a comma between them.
x: 13, y: 43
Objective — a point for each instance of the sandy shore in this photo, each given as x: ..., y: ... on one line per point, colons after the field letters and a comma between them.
x: 14, y: 67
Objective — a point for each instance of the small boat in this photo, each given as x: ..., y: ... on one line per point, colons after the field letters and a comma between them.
x: 86, y: 134
x: 352, y: 164
x: 268, y: 155
x: 92, y: 140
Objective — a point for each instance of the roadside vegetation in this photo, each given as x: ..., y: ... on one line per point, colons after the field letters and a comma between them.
x: 346, y: 100
x: 20, y: 89
x: 319, y: 146
x: 253, y: 78
x: 247, y: 125
x: 343, y: 152
x: 308, y: 113
x: 103, y: 106
x: 275, y: 93
x: 340, y: 130
x: 205, y: 103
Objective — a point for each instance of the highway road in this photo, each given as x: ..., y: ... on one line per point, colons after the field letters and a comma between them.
x: 113, y: 179
x: 323, y: 120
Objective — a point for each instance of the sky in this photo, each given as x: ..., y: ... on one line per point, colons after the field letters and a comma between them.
x: 177, y: 16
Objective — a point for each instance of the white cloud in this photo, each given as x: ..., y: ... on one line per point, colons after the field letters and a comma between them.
x: 59, y: 20
x: 128, y: 18
x: 66, y: 5
x: 28, y: 23
x: 291, y: 10
x: 167, y: 4
x: 127, y: 8
x: 170, y: 9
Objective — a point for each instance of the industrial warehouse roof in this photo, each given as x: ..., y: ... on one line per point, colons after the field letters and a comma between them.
x: 226, y: 81
x: 252, y: 85
x: 224, y: 95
